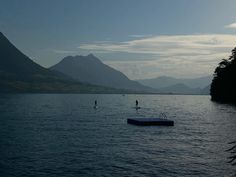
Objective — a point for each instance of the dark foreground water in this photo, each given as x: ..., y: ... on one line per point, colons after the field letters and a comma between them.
x: 62, y: 135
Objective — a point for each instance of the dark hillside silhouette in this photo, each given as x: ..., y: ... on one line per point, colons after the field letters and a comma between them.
x: 223, y: 87
x: 14, y: 65
x: 18, y: 73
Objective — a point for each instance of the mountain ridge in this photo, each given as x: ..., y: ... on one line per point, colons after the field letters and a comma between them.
x: 166, y: 84
x: 90, y: 69
x: 164, y: 81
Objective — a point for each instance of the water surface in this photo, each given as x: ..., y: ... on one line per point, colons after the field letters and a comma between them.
x: 62, y: 135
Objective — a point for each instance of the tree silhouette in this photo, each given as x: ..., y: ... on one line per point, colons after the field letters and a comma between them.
x: 223, y: 86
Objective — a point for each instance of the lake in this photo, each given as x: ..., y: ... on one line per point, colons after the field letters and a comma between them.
x: 62, y: 135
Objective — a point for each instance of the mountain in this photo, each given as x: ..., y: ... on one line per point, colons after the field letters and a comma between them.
x: 182, y: 86
x: 206, y: 90
x: 90, y: 69
x: 179, y: 89
x: 159, y: 82
x: 18, y: 73
x: 15, y: 65
x: 165, y: 81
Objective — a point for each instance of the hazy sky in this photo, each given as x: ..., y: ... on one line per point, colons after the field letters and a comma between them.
x: 142, y: 38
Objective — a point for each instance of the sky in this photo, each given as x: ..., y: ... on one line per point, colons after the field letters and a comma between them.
x: 141, y: 38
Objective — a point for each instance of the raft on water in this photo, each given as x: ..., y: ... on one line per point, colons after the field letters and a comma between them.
x: 151, y: 121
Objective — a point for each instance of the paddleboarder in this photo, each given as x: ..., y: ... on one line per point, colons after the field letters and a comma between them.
x: 95, y: 103
x: 136, y: 103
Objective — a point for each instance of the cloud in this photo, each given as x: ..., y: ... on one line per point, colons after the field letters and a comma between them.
x: 179, y: 67
x: 232, y: 25
x: 169, y: 45
x: 140, y: 35
x: 173, y: 55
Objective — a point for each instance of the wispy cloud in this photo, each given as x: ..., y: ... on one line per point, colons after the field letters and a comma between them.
x: 140, y: 35
x: 199, y: 44
x: 232, y: 25
x: 176, y: 55
x: 181, y: 67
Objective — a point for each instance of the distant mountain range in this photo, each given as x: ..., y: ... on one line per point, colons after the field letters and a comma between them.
x: 89, y: 69
x: 18, y: 73
x: 179, y: 86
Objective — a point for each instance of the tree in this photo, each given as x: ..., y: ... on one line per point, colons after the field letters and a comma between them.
x: 223, y: 86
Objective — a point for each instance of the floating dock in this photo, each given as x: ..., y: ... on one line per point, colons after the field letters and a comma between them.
x: 150, y: 121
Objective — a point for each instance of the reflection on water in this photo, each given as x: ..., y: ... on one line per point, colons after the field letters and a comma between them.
x: 62, y: 135
x: 232, y: 151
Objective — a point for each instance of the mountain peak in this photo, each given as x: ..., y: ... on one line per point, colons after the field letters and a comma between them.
x: 90, y: 55
x: 91, y: 70
x: 78, y: 59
